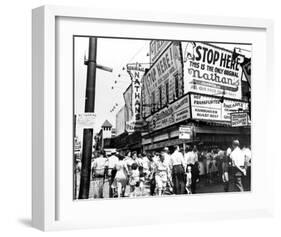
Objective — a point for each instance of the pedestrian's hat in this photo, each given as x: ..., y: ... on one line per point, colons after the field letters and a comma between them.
x: 235, y: 142
x: 166, y: 149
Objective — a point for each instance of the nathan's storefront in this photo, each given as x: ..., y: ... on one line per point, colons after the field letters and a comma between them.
x: 197, y: 86
x: 209, y: 118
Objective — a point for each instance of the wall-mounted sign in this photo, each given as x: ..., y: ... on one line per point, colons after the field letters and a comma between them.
x: 174, y: 113
x: 157, y: 47
x: 211, y: 108
x: 239, y: 119
x: 211, y: 70
x: 164, y: 80
x: 136, y: 126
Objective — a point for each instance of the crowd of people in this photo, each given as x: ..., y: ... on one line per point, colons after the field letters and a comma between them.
x: 173, y: 170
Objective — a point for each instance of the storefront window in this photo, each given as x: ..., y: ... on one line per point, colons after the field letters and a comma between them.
x: 152, y: 101
x: 176, y: 86
x: 160, y: 96
x: 167, y: 92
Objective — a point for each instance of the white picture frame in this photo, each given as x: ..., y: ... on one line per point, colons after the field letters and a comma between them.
x: 48, y: 201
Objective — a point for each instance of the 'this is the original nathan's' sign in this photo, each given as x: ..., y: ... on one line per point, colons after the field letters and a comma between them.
x: 157, y: 47
x: 211, y: 70
x: 212, y: 109
x: 176, y: 112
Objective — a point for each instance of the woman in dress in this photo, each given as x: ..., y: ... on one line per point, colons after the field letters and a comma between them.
x: 121, y: 177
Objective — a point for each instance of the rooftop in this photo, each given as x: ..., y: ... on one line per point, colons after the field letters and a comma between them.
x: 106, y: 124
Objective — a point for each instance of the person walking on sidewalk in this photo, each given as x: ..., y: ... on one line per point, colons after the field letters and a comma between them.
x: 178, y: 171
x: 121, y: 177
x: 238, y: 161
x: 161, y: 175
x: 225, y: 172
x: 98, y: 173
x: 111, y: 171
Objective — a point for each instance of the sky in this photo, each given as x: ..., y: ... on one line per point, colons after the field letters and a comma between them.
x: 113, y: 53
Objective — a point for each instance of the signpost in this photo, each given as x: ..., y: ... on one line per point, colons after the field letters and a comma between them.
x: 185, y: 134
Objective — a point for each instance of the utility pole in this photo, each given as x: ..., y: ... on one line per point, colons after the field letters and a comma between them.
x: 89, y: 108
x: 88, y: 132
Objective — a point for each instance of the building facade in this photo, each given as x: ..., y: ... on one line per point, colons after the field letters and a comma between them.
x: 197, y: 85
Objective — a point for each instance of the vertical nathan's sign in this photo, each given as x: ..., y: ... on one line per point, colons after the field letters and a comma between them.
x: 136, y: 72
x: 211, y: 70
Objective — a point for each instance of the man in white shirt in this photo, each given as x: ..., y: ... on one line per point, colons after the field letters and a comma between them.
x: 99, y: 165
x: 238, y: 160
x: 248, y: 160
x: 178, y: 171
x: 191, y: 157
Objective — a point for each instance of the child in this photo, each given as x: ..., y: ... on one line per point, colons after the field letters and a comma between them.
x: 161, y: 175
x: 188, y: 180
x: 134, y: 179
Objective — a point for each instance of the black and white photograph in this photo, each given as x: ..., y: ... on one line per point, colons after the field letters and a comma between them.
x: 155, y: 117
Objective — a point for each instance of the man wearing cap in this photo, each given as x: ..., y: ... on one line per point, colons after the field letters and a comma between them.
x: 238, y: 161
